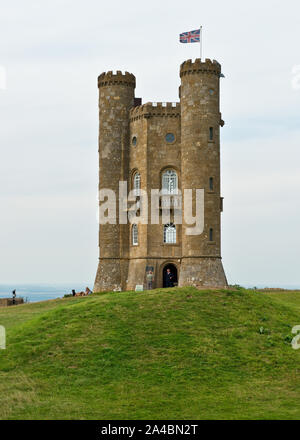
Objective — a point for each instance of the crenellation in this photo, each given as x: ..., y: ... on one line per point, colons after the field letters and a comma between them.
x: 150, y: 139
x: 110, y: 78
x: 199, y: 66
x: 149, y: 109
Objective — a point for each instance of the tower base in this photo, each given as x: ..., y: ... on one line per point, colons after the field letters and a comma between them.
x: 116, y: 274
x: 202, y: 272
x: 109, y: 275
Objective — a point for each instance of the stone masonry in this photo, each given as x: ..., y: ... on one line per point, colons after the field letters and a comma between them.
x: 6, y: 302
x: 151, y: 139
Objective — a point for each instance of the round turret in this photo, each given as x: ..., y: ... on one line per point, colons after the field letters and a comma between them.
x: 200, y: 165
x: 116, y: 98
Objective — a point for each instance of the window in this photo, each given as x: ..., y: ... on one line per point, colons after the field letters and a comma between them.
x: 211, y: 133
x: 211, y: 234
x: 170, y: 138
x: 135, y: 235
x: 169, y: 182
x: 211, y: 183
x: 137, y: 183
x: 170, y: 233
x: 134, y: 141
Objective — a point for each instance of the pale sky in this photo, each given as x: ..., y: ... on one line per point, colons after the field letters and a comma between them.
x: 52, y: 53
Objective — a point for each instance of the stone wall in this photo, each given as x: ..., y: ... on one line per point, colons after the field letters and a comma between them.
x: 5, y: 302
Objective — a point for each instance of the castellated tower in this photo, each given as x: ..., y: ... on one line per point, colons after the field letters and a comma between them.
x: 169, y: 147
x: 200, y: 168
x: 116, y: 98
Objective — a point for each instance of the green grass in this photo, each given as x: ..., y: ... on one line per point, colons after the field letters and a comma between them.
x: 163, y: 354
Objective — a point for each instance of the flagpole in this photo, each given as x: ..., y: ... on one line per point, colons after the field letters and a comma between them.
x: 201, y: 42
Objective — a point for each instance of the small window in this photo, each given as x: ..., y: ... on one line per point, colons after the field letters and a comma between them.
x: 169, y: 182
x: 137, y: 183
x: 170, y: 233
x: 211, y: 234
x: 211, y: 133
x: 135, y: 235
x: 211, y: 183
x: 211, y: 91
x: 134, y: 141
x: 170, y: 138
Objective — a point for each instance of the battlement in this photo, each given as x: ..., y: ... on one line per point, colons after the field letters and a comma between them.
x: 199, y: 66
x: 164, y: 109
x: 110, y: 78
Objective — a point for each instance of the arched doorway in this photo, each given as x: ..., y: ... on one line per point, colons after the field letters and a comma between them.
x: 170, y: 281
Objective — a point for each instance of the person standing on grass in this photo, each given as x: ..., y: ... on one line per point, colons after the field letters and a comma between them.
x: 150, y: 279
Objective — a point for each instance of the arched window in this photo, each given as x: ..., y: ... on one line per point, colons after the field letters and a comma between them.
x: 135, y: 235
x: 211, y: 234
x: 170, y: 233
x: 137, y: 183
x: 169, y: 182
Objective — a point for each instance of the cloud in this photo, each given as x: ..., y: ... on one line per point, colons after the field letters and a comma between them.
x: 261, y: 185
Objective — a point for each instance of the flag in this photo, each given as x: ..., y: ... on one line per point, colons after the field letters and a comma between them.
x: 190, y: 37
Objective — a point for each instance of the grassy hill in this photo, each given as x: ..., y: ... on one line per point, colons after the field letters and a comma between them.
x: 163, y: 354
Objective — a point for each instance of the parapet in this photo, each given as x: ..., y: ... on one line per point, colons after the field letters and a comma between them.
x: 199, y: 66
x: 163, y: 109
x: 110, y: 78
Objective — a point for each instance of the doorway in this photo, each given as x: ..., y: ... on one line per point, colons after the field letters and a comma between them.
x: 167, y: 280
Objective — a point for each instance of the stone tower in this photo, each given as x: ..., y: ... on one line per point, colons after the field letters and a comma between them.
x: 169, y: 146
x: 200, y: 168
x: 116, y: 98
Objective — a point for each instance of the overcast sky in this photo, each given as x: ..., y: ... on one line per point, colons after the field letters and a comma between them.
x: 53, y: 51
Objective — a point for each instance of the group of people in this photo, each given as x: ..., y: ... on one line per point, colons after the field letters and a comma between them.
x: 86, y: 293
x: 169, y: 279
x: 74, y: 293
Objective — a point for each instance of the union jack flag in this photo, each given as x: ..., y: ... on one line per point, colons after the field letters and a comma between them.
x: 190, y: 37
